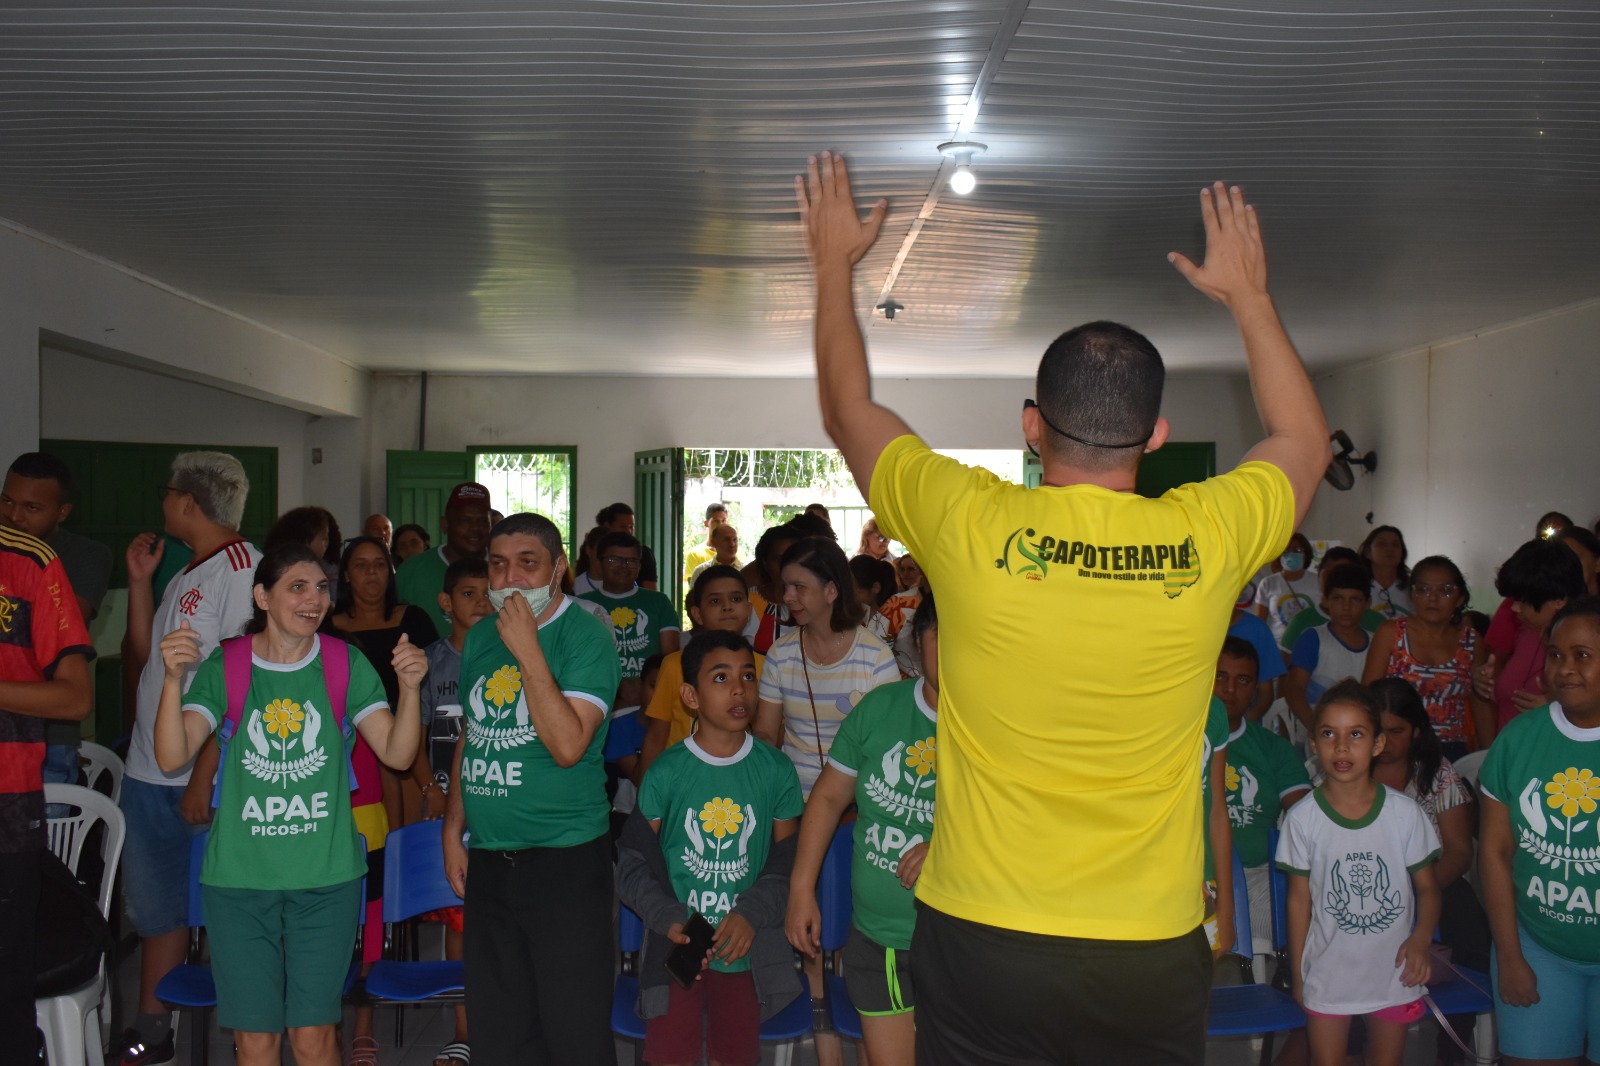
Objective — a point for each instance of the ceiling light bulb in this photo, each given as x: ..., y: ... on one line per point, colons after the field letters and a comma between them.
x: 963, y: 180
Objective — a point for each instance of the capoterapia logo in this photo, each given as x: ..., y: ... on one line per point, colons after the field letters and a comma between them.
x: 1033, y: 556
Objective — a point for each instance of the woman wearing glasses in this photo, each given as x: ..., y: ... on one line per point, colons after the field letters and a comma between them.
x: 1436, y: 649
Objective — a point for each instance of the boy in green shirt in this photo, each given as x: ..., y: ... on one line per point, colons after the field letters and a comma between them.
x: 716, y: 808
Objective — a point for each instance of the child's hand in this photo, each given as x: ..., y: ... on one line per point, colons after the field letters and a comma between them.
x: 910, y: 867
x: 1519, y: 986
x: 676, y: 934
x: 1416, y: 960
x: 733, y: 939
x: 803, y: 923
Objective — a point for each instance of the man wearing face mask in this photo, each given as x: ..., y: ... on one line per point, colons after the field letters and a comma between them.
x: 537, y: 680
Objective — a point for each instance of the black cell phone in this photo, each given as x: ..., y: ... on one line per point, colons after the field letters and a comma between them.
x: 685, y: 961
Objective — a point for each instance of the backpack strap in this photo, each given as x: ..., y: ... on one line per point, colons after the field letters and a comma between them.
x: 335, y: 673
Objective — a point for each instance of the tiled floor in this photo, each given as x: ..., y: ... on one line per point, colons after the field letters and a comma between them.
x: 427, y: 1029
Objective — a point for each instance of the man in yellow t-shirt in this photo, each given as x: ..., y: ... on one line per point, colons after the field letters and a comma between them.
x: 1058, y: 913
x: 716, y: 515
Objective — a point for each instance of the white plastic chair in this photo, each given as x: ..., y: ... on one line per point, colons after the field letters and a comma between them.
x: 71, y: 1021
x: 98, y: 760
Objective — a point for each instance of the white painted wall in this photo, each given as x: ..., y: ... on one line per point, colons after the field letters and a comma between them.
x: 611, y: 418
x: 1476, y: 438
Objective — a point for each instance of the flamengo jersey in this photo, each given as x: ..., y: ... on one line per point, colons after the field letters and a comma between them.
x: 39, y: 625
x: 213, y: 596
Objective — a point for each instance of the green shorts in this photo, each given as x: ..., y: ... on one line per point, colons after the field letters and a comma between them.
x: 877, y: 978
x: 280, y: 958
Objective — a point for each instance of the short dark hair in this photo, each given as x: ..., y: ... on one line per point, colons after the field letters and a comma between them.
x: 867, y: 571
x: 1100, y: 381
x: 464, y: 569
x: 1337, y: 556
x: 1540, y: 571
x: 1239, y: 648
x: 1351, y: 691
x: 412, y: 527
x: 810, y: 507
x: 714, y: 508
x: 652, y: 665
x: 694, y: 656
x: 1551, y: 516
x: 825, y: 560
x: 616, y: 538
x: 714, y: 572
x: 42, y: 466
x: 528, y: 524
x: 274, y: 563
x: 1352, y: 576
x: 611, y: 512
x: 1587, y: 607
x: 299, y: 525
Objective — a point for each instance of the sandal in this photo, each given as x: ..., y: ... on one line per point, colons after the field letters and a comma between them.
x: 456, y: 1054
x: 363, y: 1051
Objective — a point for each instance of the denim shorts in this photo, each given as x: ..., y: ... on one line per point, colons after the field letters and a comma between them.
x: 1568, y: 1007
x: 155, y: 860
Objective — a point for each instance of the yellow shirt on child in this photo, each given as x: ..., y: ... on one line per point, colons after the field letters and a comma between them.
x: 667, y: 704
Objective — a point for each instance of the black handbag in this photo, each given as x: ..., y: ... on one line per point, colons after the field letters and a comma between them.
x: 72, y: 934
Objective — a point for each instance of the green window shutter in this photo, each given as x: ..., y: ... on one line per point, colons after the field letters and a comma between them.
x: 658, y: 514
x: 117, y: 485
x: 1032, y: 470
x: 419, y: 484
x: 1175, y: 463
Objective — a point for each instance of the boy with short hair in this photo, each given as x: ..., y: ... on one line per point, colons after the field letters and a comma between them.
x: 1265, y: 777
x: 714, y: 834
x: 643, y: 621
x: 718, y: 601
x: 1327, y: 654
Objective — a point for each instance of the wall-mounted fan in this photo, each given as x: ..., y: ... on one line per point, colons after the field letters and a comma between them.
x: 1339, y: 474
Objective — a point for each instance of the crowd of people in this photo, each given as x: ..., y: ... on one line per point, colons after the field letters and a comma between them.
x: 1112, y: 703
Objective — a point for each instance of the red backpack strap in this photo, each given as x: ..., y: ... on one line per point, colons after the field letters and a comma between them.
x: 237, y: 662
x: 335, y: 673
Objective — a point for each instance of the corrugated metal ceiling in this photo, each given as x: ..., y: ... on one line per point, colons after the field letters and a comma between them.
x: 605, y: 186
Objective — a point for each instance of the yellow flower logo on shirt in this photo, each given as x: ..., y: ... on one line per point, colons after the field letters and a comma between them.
x: 721, y: 817
x: 503, y: 687
x: 921, y: 757
x: 283, y: 717
x: 623, y: 617
x: 1233, y: 779
x: 1573, y: 791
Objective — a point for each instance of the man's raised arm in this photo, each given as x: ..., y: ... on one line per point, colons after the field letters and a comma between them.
x: 1235, y: 275
x: 836, y: 239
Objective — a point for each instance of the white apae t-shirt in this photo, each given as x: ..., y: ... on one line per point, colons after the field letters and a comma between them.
x: 213, y: 596
x: 1362, y: 901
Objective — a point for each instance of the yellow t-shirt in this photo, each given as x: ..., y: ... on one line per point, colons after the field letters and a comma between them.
x: 694, y: 557
x: 667, y: 704
x: 1078, y: 637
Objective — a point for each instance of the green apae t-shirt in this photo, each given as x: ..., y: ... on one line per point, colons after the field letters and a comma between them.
x: 1216, y: 739
x: 515, y: 794
x: 638, y: 620
x: 283, y: 819
x: 716, y: 818
x: 1546, y: 771
x: 1262, y: 769
x: 1311, y: 618
x: 419, y: 581
x: 888, y: 744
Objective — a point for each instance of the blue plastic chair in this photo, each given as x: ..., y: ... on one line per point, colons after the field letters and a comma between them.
x: 1250, y: 1009
x: 833, y: 899
x: 414, y: 883
x: 789, y: 1025
x: 189, y: 986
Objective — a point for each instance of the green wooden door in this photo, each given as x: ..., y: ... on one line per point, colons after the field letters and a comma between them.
x: 658, y: 514
x: 1175, y: 463
x: 420, y: 483
x: 117, y: 485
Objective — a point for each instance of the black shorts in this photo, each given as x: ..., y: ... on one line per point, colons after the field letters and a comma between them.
x: 877, y: 978
x: 1005, y: 998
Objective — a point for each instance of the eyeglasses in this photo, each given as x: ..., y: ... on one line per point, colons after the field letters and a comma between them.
x: 1427, y: 591
x: 166, y: 490
x: 625, y: 561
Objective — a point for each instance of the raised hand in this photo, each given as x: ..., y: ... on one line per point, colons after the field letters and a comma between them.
x: 517, y: 628
x: 835, y: 232
x: 1235, y: 266
x: 180, y: 649
x: 144, y: 555
x: 410, y: 663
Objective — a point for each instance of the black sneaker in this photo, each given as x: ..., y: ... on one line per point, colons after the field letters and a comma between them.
x: 137, y: 1053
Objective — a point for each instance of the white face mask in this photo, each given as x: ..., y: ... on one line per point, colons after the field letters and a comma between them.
x: 538, y: 599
